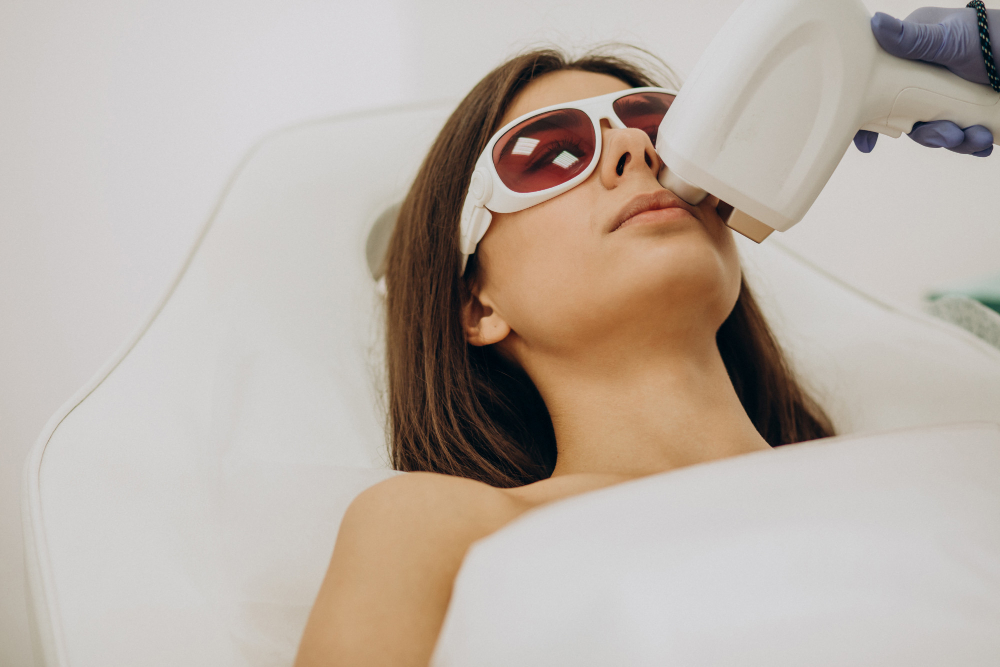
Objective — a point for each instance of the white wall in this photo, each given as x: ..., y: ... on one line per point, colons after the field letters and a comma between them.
x: 120, y: 122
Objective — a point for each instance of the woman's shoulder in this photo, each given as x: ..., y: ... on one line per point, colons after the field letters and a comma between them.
x: 456, y: 508
x: 425, y: 499
x: 399, y: 547
x: 424, y: 522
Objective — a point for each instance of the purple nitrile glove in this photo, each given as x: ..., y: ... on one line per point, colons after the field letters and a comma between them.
x: 948, y: 37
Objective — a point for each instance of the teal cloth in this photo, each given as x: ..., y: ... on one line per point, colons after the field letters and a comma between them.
x: 985, y: 291
x: 969, y: 314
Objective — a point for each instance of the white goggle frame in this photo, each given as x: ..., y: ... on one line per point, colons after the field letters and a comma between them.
x: 487, y: 191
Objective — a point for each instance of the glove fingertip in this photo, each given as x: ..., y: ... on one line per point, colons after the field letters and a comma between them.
x: 886, y: 24
x: 865, y: 140
x: 978, y: 138
x: 888, y: 31
x: 937, y: 134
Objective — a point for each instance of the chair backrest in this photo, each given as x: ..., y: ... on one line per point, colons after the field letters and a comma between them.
x: 874, y: 366
x: 182, y: 507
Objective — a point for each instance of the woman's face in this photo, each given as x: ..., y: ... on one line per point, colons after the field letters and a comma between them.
x: 576, y: 273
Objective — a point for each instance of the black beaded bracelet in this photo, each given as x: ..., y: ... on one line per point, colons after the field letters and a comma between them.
x: 984, y: 42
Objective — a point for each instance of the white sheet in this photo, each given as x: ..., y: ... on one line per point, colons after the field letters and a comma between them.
x: 879, y: 550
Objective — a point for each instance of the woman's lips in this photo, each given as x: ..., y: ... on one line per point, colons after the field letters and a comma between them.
x: 660, y: 206
x: 655, y: 216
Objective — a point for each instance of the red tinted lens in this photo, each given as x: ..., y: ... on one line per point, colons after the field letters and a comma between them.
x: 545, y: 151
x: 643, y: 111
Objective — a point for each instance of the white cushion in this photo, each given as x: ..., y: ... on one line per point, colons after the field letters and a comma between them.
x: 184, y: 510
x: 874, y: 366
x: 867, y: 550
x: 182, y: 507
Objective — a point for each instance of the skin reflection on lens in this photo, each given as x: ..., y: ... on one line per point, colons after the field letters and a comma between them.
x: 643, y: 111
x: 545, y: 151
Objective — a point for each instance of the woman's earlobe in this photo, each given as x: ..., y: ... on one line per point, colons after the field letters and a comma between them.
x: 483, y: 325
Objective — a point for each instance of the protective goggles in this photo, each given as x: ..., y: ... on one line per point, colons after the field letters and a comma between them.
x: 546, y: 152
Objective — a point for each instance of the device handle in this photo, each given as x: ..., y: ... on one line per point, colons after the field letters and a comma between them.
x: 903, y: 92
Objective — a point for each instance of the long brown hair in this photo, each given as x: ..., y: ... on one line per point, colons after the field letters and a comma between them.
x: 463, y: 410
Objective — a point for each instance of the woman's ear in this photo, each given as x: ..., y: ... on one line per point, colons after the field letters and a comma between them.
x: 482, y: 323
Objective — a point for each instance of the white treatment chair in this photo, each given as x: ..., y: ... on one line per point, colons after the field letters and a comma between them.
x: 181, y: 508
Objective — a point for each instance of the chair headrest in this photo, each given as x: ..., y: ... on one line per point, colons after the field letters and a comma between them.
x: 377, y: 245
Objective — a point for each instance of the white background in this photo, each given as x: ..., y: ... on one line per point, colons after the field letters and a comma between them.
x: 121, y: 121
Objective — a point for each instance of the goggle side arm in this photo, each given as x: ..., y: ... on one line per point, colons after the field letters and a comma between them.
x: 475, y: 216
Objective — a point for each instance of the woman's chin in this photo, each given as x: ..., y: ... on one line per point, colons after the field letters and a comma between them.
x: 665, y: 242
x: 689, y: 267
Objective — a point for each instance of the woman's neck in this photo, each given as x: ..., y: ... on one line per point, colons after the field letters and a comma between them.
x: 638, y: 414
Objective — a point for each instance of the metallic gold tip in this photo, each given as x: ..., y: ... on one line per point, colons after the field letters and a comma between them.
x: 750, y: 227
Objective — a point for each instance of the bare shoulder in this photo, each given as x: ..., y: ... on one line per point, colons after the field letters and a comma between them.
x: 436, y: 516
x: 430, y: 498
x: 400, y: 545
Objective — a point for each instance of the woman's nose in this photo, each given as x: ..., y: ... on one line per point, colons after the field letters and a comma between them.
x: 626, y: 151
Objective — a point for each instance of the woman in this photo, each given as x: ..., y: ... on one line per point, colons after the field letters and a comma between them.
x: 599, y: 336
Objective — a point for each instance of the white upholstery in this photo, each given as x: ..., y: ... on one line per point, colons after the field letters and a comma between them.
x: 874, y: 367
x: 182, y: 507
x: 866, y: 550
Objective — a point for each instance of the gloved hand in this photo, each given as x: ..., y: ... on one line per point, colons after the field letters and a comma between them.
x: 948, y: 37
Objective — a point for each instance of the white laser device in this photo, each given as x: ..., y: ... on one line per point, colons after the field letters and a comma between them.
x: 773, y: 105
